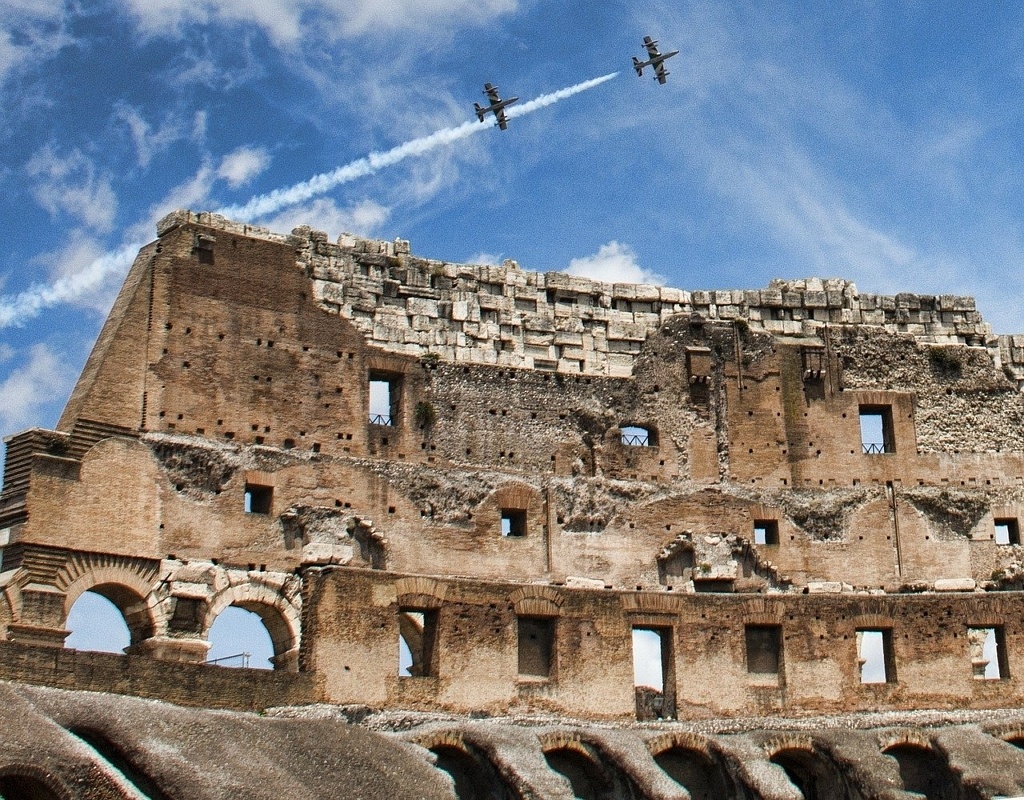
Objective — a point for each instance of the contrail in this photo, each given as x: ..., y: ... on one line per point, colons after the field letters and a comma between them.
x: 18, y: 309
x: 274, y: 201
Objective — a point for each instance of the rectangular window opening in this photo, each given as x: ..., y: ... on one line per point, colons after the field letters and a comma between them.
x: 513, y: 522
x: 875, y: 657
x: 536, y: 646
x: 653, y: 673
x: 766, y: 531
x: 384, y: 394
x: 1007, y: 531
x: 876, y: 430
x: 635, y: 436
x: 764, y: 649
x: 258, y: 499
x: 988, y: 653
x: 417, y: 643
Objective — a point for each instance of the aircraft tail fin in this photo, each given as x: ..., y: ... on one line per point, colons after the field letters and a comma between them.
x: 636, y: 65
x: 479, y: 111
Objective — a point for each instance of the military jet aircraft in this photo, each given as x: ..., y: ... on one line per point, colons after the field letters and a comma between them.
x: 656, y: 60
x: 497, y: 106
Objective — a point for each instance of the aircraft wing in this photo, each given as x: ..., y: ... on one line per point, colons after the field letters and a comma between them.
x: 660, y: 72
x: 502, y: 120
x: 492, y: 93
x: 652, y: 47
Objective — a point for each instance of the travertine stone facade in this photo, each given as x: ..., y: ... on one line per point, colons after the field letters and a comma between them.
x: 765, y: 479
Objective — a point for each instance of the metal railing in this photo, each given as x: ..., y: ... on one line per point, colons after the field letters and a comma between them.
x: 380, y: 419
x: 874, y: 448
x: 636, y: 439
x: 243, y: 656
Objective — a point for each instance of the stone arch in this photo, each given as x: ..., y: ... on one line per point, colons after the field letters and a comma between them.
x: 280, y: 615
x: 691, y: 762
x: 922, y: 768
x: 808, y: 768
x: 28, y: 782
x: 471, y: 769
x: 128, y: 583
x: 536, y: 601
x: 119, y: 760
x: 590, y: 773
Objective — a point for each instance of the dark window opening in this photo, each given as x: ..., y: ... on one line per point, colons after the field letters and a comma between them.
x: 988, y: 653
x: 875, y: 656
x: 513, y: 522
x: 653, y: 673
x: 766, y: 531
x: 764, y: 649
x: 24, y: 787
x: 876, y: 431
x: 536, y: 646
x: 1007, y: 531
x: 813, y: 363
x: 417, y: 643
x: 384, y: 392
x: 258, y: 499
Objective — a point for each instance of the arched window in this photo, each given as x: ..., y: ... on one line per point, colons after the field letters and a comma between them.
x: 97, y: 624
x: 239, y: 638
x: 587, y: 779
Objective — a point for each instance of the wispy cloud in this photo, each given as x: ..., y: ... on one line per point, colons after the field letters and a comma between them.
x: 613, y: 263
x: 71, y: 183
x: 150, y: 140
x: 287, y: 21
x: 364, y: 218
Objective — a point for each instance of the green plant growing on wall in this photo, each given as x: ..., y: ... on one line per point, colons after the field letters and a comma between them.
x: 424, y: 414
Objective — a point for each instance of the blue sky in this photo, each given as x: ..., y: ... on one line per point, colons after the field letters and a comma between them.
x: 875, y: 141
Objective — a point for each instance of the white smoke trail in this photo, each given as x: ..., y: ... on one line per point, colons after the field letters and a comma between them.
x: 18, y: 309
x: 278, y: 199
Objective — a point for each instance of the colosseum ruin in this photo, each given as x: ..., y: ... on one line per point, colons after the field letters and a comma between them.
x: 458, y: 496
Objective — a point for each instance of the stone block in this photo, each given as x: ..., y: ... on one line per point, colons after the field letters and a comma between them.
x: 955, y: 585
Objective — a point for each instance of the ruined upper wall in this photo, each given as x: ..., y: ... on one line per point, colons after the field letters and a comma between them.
x: 509, y: 317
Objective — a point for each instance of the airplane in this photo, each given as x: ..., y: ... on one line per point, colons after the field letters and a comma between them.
x: 656, y: 60
x: 497, y: 105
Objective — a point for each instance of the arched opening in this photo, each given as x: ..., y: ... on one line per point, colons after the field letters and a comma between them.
x: 925, y: 771
x: 812, y: 774
x: 239, y: 637
x: 474, y: 776
x: 112, y: 754
x: 696, y: 772
x: 97, y: 624
x: 1016, y: 741
x: 587, y: 779
x: 26, y: 787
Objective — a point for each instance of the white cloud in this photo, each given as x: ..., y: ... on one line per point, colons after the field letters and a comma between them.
x: 242, y: 165
x: 286, y: 21
x: 491, y: 259
x: 28, y: 388
x: 30, y: 32
x: 613, y: 263
x: 72, y: 184
x: 364, y: 218
x: 150, y: 141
